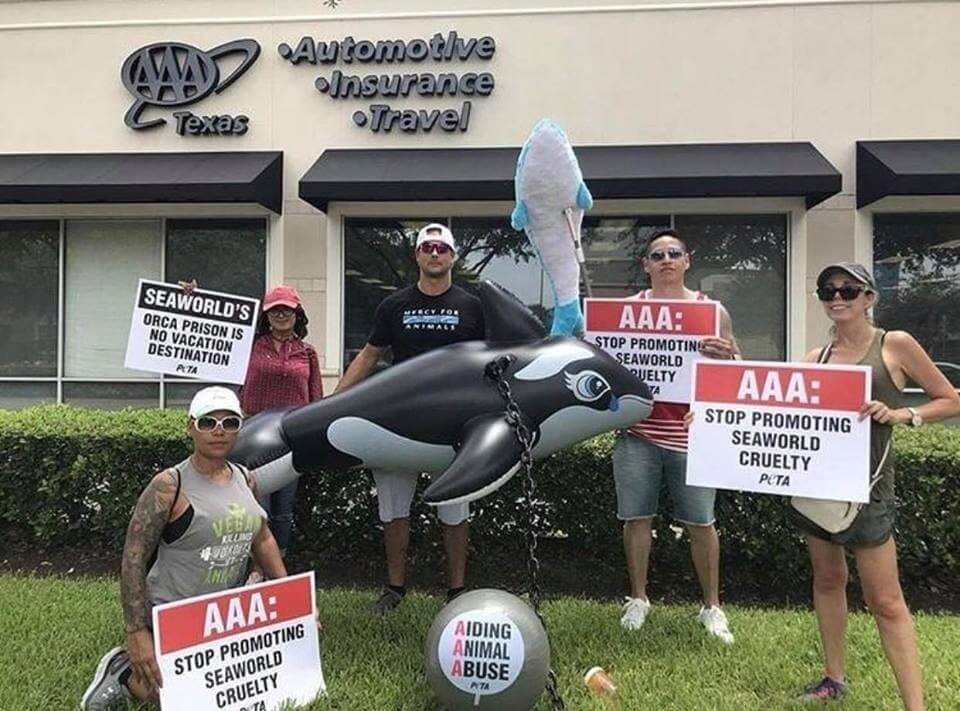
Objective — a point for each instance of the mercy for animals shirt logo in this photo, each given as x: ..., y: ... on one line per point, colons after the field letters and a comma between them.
x: 431, y: 319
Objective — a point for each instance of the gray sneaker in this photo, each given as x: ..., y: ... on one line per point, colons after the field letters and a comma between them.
x: 106, y: 691
x: 388, y: 600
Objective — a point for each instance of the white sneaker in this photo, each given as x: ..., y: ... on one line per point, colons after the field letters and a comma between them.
x: 635, y: 612
x: 715, y: 623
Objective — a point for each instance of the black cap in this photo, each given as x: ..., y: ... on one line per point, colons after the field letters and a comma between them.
x: 857, y: 272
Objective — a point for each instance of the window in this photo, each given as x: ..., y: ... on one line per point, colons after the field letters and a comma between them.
x: 916, y: 262
x: 101, y: 262
x: 738, y: 259
x: 29, y: 283
x: 741, y: 260
x: 222, y: 255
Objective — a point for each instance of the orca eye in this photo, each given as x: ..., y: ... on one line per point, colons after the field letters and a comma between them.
x: 587, y: 385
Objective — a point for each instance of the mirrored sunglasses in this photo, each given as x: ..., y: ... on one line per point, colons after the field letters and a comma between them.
x: 438, y: 247
x: 658, y: 255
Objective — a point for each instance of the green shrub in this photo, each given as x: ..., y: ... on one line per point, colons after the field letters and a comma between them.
x: 69, y: 477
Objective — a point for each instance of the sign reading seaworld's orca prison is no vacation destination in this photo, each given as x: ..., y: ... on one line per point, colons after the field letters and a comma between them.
x: 203, y: 334
x: 658, y: 340
x: 780, y: 429
x: 249, y: 649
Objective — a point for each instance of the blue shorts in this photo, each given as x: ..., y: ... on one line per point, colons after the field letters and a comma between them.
x: 639, y: 469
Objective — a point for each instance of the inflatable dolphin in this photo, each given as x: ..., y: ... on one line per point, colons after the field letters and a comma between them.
x: 439, y: 412
x: 551, y: 200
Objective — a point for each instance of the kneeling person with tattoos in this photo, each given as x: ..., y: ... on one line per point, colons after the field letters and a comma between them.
x: 202, y: 520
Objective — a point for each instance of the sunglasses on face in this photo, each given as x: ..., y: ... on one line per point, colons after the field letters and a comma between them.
x: 229, y: 424
x: 281, y: 311
x: 847, y: 292
x: 658, y: 255
x: 438, y: 247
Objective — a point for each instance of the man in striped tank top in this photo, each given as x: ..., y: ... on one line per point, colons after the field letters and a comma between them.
x: 655, y: 450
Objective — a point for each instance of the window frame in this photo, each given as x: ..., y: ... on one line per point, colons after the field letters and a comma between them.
x: 63, y: 214
x: 919, y: 204
x: 793, y: 208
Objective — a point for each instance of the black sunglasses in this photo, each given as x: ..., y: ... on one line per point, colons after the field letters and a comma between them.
x: 658, y: 255
x: 847, y: 292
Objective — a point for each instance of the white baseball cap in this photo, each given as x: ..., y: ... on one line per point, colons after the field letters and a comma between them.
x: 214, y: 398
x: 435, y: 232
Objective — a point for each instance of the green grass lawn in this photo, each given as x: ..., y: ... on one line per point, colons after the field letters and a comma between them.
x: 54, y: 631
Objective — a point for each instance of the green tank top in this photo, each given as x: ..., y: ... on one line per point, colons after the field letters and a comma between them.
x: 881, y: 436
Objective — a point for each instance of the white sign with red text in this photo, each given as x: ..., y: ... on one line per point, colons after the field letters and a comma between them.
x: 658, y: 340
x: 785, y: 429
x: 247, y: 649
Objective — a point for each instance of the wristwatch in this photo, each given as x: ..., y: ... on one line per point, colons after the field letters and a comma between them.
x: 915, y: 419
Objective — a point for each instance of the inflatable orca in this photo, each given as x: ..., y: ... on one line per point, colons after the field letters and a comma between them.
x: 439, y: 412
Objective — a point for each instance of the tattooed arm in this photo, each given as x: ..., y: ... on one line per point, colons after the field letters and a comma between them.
x: 143, y: 535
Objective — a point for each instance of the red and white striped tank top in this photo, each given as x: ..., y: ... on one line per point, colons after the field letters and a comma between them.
x: 664, y: 426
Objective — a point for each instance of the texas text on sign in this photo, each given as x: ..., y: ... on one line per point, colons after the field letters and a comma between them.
x: 203, y: 334
x: 780, y: 429
x: 247, y: 649
x: 658, y: 340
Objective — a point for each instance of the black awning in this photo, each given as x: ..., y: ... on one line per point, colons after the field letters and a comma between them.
x: 927, y: 167
x: 640, y: 171
x: 235, y: 177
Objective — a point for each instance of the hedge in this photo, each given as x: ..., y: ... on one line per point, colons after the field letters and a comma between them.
x: 69, y: 477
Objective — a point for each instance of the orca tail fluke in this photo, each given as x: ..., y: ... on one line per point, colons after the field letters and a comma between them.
x: 262, y: 447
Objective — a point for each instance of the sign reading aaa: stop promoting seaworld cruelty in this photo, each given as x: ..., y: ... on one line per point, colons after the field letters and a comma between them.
x: 248, y: 649
x: 780, y: 429
x: 658, y: 340
x: 203, y: 334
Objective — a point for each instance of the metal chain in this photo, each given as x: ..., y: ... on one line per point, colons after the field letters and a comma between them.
x: 495, y: 371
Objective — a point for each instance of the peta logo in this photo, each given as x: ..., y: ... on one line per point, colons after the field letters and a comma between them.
x: 171, y: 74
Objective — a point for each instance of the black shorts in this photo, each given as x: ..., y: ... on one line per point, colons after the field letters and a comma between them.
x: 872, y: 526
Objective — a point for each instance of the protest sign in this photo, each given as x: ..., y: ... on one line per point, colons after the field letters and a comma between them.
x: 247, y: 649
x: 203, y: 334
x: 657, y: 340
x: 780, y: 429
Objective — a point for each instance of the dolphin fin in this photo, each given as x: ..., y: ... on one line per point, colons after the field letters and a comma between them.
x: 505, y: 318
x: 584, y: 198
x: 518, y: 218
x: 567, y: 319
x: 488, y: 456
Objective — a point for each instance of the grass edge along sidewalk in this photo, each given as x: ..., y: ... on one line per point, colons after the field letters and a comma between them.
x: 55, y: 629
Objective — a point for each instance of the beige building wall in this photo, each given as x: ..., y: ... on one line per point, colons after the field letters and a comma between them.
x: 829, y: 72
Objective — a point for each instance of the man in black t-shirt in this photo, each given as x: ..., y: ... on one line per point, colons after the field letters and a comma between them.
x: 416, y: 319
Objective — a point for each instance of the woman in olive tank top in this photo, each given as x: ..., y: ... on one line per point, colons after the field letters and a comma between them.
x: 847, y: 292
x: 199, y: 521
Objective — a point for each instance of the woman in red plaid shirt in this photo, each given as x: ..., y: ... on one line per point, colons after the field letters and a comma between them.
x: 284, y: 371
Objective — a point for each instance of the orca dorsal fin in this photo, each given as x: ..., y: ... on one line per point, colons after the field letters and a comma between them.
x: 506, y: 319
x: 488, y: 456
